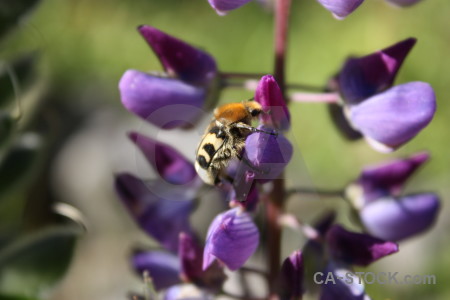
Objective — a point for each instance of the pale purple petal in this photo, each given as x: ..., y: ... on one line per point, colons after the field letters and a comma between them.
x: 388, y: 178
x: 171, y: 165
x: 163, y: 267
x: 224, y: 6
x: 232, y: 238
x: 357, y: 248
x: 292, y: 273
x: 392, y: 118
x: 267, y: 154
x: 186, y: 292
x: 403, y: 2
x: 179, y: 58
x: 341, y: 8
x: 269, y: 95
x: 366, y: 76
x: 397, y: 219
x: 345, y: 286
x: 164, y: 102
x: 161, y: 212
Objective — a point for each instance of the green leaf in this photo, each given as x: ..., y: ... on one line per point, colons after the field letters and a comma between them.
x: 19, y: 161
x: 32, y: 265
x: 12, y: 11
x: 15, y: 75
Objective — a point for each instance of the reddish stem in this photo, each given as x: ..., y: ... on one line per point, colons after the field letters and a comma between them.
x: 281, y: 38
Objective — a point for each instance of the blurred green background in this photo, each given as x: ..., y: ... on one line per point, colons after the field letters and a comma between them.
x: 83, y: 47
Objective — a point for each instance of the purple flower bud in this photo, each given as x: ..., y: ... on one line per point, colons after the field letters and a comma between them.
x: 179, y: 58
x: 267, y: 154
x: 163, y: 267
x: 340, y: 8
x: 292, y: 273
x: 392, y: 118
x: 403, y: 2
x: 357, y: 248
x: 366, y: 76
x: 388, y: 178
x: 232, y: 238
x: 222, y: 7
x: 164, y: 102
x: 397, y: 219
x: 337, y: 285
x: 171, y: 165
x: 160, y: 211
x: 269, y: 95
x: 191, y: 256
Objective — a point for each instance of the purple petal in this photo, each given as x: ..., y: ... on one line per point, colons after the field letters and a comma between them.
x: 232, y: 238
x: 341, y: 8
x: 269, y: 95
x: 363, y: 77
x: 171, y: 165
x: 392, y: 118
x: 292, y: 273
x: 403, y: 2
x: 163, y: 267
x: 357, y: 248
x: 177, y: 57
x: 186, y: 292
x: 161, y: 212
x: 268, y: 154
x: 341, y: 288
x: 397, y: 219
x: 224, y: 6
x: 245, y: 194
x: 164, y: 102
x: 388, y: 178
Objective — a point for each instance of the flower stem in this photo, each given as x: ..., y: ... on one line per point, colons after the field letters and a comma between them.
x: 319, y: 192
x: 316, y: 97
x: 282, y: 8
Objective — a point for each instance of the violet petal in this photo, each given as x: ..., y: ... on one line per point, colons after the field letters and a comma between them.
x: 395, y: 116
x: 171, y: 165
x: 177, y: 57
x: 388, y: 178
x: 340, y: 8
x: 397, y: 219
x: 163, y: 267
x: 357, y: 248
x: 267, y: 154
x: 269, y: 95
x: 365, y: 76
x: 162, y: 213
x: 338, y: 286
x: 164, y: 102
x: 232, y: 238
x: 292, y: 273
x: 224, y: 6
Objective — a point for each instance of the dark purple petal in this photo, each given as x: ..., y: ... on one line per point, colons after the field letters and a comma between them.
x: 179, y: 58
x: 164, y: 102
x: 191, y: 256
x: 171, y: 165
x: 357, y: 248
x: 341, y: 8
x: 342, y: 284
x: 397, y: 219
x: 224, y: 6
x: 232, y: 238
x: 245, y: 194
x: 163, y: 267
x: 269, y: 95
x: 388, y: 178
x: 403, y: 2
x: 267, y: 154
x: 161, y: 212
x: 363, y: 77
x: 292, y: 273
x: 392, y: 118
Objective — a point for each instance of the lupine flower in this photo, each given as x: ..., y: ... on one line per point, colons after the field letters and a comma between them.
x: 232, y: 238
x: 292, y: 275
x: 160, y: 211
x: 176, y: 99
x: 340, y: 287
x: 222, y: 7
x: 376, y: 194
x: 386, y: 116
